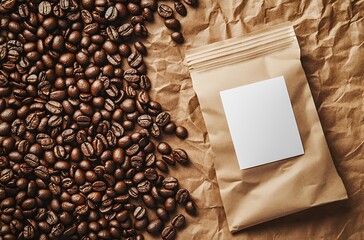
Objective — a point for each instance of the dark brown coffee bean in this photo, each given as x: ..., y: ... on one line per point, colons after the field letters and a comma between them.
x: 178, y: 221
x: 68, y: 135
x: 29, y: 232
x: 131, y: 75
x: 165, y: 11
x: 162, y: 119
x: 99, y: 186
x: 140, y: 30
x: 155, y: 226
x: 145, y: 83
x: 45, y: 8
x: 54, y: 107
x: 41, y: 172
x: 191, y: 2
x: 164, y: 148
x: 182, y: 196
x: 151, y: 174
x: 139, y: 46
x: 139, y: 213
x: 91, y: 28
x: 126, y: 30
x: 86, y: 16
x: 181, y: 132
x: 132, y: 150
x: 170, y: 128
x: 180, y: 8
x: 87, y: 149
x: 112, y: 33
x: 191, y: 208
x: 169, y: 159
x: 173, y: 24
x: 6, y: 175
x: 135, y: 60
x: 111, y: 13
x: 144, y: 120
x: 32, y: 160
x: 162, y: 214
x: 168, y: 233
x: 180, y: 156
x: 161, y: 166
x: 45, y: 141
x: 144, y: 186
x: 170, y: 204
x: 170, y: 183
x: 177, y: 37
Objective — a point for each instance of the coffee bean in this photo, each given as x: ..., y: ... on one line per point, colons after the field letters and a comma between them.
x: 8, y: 4
x: 170, y: 128
x: 144, y: 120
x: 155, y: 226
x: 170, y: 204
x: 191, y: 2
x: 178, y: 221
x: 91, y: 28
x: 54, y: 107
x: 6, y: 175
x: 131, y: 75
x: 140, y: 30
x: 111, y: 13
x: 139, y: 46
x: 87, y: 149
x: 165, y: 11
x: 190, y: 208
x: 177, y: 37
x: 180, y: 8
x: 161, y: 166
x: 126, y: 30
x: 144, y: 186
x: 170, y: 183
x: 164, y: 148
x: 135, y: 60
x: 162, y: 119
x: 169, y: 159
x: 32, y: 160
x: 173, y: 24
x: 180, y: 156
x: 181, y: 132
x: 168, y: 233
x: 112, y: 33
x: 139, y: 213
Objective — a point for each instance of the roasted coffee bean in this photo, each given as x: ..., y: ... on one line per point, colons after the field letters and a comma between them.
x: 161, y: 166
x: 144, y: 120
x: 144, y: 186
x: 139, y: 46
x: 170, y: 204
x: 32, y: 160
x: 177, y: 37
x: 155, y: 226
x: 169, y: 159
x: 54, y: 107
x: 163, y: 119
x: 112, y: 33
x: 131, y: 75
x: 181, y: 132
x: 165, y: 11
x: 91, y: 28
x: 164, y: 148
x: 168, y: 233
x: 45, y: 8
x: 87, y: 149
x: 190, y: 208
x: 170, y: 183
x: 180, y: 156
x: 180, y: 8
x: 126, y: 30
x: 178, y: 221
x: 173, y: 24
x: 135, y: 60
x: 182, y: 196
x: 139, y: 213
x: 191, y: 2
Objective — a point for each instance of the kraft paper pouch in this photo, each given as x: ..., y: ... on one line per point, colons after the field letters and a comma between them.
x: 254, y: 192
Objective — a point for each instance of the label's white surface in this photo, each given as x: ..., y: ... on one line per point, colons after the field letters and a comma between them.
x: 261, y: 122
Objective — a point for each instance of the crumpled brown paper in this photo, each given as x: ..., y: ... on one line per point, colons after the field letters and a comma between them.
x: 331, y: 35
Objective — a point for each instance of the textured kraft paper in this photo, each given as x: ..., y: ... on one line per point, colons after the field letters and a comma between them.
x: 259, y: 194
x: 330, y: 35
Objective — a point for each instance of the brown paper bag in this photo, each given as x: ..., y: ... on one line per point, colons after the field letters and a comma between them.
x: 259, y: 194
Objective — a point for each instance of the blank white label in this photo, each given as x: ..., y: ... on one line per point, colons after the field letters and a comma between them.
x: 261, y: 122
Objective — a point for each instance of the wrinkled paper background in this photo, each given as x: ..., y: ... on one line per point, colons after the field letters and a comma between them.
x: 331, y: 35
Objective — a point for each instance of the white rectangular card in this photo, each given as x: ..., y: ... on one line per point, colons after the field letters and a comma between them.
x: 261, y: 122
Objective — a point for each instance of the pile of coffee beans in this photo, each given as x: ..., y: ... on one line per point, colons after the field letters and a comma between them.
x: 82, y: 154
